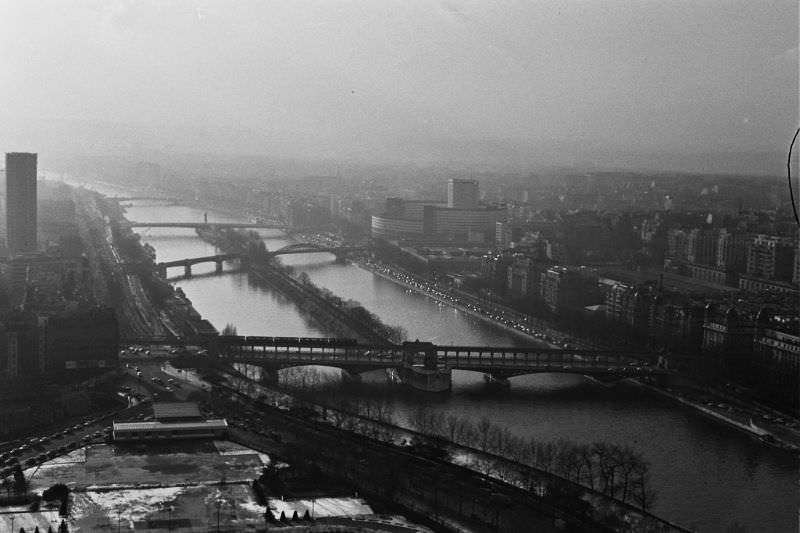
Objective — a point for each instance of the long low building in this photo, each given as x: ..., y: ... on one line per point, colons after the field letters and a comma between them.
x: 157, y: 430
x: 419, y: 219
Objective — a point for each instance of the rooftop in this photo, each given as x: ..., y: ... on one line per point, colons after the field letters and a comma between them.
x: 156, y: 425
x: 171, y: 410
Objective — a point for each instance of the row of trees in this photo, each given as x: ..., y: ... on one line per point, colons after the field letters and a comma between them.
x: 315, y: 302
x: 355, y: 311
x: 616, y: 471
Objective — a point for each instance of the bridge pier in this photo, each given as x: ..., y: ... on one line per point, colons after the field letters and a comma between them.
x: 219, y: 267
x: 187, y: 270
x: 269, y: 375
x: 496, y: 382
x: 162, y: 272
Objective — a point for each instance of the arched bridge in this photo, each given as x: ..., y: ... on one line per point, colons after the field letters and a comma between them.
x: 298, y: 248
x: 311, y: 248
x: 187, y: 263
x: 501, y: 363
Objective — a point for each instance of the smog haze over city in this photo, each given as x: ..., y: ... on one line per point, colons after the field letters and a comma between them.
x: 685, y: 85
x: 451, y: 266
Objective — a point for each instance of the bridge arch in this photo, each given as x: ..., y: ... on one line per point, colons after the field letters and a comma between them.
x: 303, y: 247
x: 272, y: 372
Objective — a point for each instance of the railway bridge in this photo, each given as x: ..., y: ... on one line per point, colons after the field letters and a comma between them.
x: 428, y: 366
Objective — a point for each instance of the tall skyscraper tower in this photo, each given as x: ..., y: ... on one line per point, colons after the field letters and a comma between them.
x: 462, y: 194
x: 21, y: 203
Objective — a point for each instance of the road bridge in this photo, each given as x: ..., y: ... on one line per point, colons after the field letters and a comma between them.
x: 312, y: 248
x: 500, y: 363
x: 298, y: 248
x: 211, y: 225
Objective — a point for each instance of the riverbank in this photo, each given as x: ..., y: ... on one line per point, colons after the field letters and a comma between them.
x: 732, y: 417
x: 451, y: 302
x: 784, y: 438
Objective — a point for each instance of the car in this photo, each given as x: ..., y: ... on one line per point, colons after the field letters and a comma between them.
x: 30, y: 461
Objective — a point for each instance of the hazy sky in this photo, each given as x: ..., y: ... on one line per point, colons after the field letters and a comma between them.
x: 337, y: 77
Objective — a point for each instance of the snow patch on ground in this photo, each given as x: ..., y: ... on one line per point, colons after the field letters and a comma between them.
x: 320, y: 507
x: 75, y: 456
x: 100, y: 508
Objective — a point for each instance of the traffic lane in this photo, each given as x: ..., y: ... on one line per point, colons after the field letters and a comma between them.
x: 39, y: 449
x: 145, y: 385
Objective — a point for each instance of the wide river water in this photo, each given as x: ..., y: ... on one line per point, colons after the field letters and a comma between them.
x: 706, y: 475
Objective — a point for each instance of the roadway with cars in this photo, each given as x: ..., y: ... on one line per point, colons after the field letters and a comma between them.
x: 39, y: 449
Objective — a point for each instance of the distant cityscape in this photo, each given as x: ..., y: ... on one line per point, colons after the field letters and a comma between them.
x: 656, y: 278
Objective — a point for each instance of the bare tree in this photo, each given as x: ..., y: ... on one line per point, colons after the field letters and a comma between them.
x: 484, y: 431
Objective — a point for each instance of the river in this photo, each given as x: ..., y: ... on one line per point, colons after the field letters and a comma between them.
x: 706, y: 475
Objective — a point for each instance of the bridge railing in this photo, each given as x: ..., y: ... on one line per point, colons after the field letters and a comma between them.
x: 282, y: 350
x: 466, y: 356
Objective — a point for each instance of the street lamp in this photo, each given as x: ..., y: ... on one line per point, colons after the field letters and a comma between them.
x: 169, y: 522
x: 219, y: 504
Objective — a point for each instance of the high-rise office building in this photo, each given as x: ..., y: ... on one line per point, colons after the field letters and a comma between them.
x: 462, y: 194
x: 21, y: 202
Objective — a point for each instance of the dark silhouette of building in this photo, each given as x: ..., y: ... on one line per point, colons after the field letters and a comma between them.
x: 21, y: 202
x: 462, y: 194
